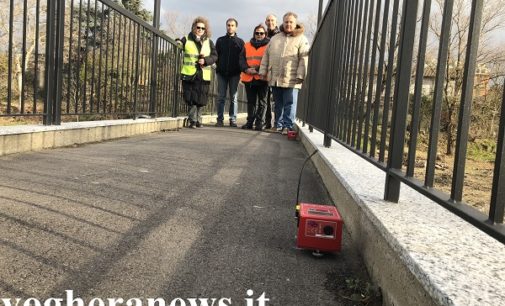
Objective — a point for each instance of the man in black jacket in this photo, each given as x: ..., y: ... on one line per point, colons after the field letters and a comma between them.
x: 228, y: 71
x: 272, y: 29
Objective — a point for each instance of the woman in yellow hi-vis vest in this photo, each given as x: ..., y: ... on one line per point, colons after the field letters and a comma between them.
x: 199, y: 54
x: 255, y: 86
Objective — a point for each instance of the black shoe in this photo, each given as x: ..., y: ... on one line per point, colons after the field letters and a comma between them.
x: 192, y: 125
x: 258, y: 128
x: 247, y: 127
x: 198, y: 124
x: 233, y: 124
x: 219, y: 124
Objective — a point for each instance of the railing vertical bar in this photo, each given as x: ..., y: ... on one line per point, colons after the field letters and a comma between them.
x: 100, y: 62
x: 466, y: 100
x: 86, y: 59
x: 380, y: 74
x: 79, y: 59
x: 372, y: 76
x: 23, y: 58
x: 130, y: 51
x: 70, y: 46
x: 497, y: 205
x: 122, y: 100
x: 9, y: 64
x: 355, y: 53
x: 345, y: 77
x: 418, y: 89
x: 438, y: 95
x: 112, y: 99
x: 339, y: 43
x: 50, y: 62
x: 59, y: 44
x: 401, y: 99
x: 348, y: 110
x: 92, y: 93
x: 36, y: 61
x: 137, y: 68
x: 106, y: 14
x: 389, y: 78
x: 361, y: 59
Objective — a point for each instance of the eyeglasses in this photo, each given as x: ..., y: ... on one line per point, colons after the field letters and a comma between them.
x: 259, y: 33
x: 200, y: 28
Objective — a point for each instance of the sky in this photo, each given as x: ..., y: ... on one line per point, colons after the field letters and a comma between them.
x: 247, y: 12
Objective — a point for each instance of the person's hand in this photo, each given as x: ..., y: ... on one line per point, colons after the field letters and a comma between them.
x: 299, y: 81
x: 251, y: 71
x: 201, y: 62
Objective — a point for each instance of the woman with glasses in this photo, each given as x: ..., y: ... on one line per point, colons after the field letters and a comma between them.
x: 256, y: 87
x: 199, y: 54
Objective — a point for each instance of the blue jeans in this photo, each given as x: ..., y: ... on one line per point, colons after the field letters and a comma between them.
x: 224, y: 84
x: 285, y: 106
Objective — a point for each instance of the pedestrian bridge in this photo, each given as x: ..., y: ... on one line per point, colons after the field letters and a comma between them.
x: 163, y: 211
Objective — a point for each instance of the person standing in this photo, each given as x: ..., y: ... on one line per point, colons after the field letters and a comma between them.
x: 272, y: 30
x: 228, y: 49
x: 199, y: 55
x: 256, y: 88
x: 284, y: 65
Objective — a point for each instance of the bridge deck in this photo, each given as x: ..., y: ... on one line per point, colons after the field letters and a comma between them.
x: 194, y: 213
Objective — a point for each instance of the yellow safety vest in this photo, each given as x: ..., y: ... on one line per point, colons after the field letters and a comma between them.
x: 191, y: 57
x: 253, y: 57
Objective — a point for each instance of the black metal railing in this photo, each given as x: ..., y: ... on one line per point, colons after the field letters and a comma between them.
x: 87, y: 60
x: 364, y: 89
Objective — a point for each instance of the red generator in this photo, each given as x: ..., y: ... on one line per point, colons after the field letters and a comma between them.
x: 319, y: 228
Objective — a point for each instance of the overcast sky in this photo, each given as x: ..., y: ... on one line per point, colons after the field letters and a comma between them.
x: 249, y: 13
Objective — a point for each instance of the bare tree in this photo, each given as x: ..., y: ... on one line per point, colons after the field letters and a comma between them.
x: 176, y: 24
x: 32, y: 40
x: 490, y: 53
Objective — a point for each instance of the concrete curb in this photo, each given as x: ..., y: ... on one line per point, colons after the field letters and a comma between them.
x: 25, y: 138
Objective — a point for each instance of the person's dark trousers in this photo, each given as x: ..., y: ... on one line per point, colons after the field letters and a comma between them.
x: 268, y: 111
x: 256, y: 104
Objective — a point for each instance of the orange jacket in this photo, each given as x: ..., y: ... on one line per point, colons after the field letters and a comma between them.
x: 253, y: 58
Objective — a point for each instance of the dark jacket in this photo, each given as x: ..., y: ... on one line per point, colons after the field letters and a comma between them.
x: 271, y: 33
x: 228, y: 51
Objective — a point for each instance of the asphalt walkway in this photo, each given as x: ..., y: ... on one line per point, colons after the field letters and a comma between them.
x: 204, y: 213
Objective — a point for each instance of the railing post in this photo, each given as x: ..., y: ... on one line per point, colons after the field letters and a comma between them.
x: 401, y: 99
x: 154, y: 59
x: 49, y: 70
x: 59, y: 46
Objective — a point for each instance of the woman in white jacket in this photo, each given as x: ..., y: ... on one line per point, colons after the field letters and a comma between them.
x: 284, y: 65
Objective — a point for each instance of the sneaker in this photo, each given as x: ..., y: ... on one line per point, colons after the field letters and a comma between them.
x: 233, y: 124
x: 258, y: 128
x: 272, y: 130
x: 192, y: 125
x: 199, y: 125
x: 246, y: 127
x: 219, y: 124
x: 284, y: 131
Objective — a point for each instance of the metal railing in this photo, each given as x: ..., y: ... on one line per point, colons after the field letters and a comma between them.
x: 364, y: 90
x: 87, y: 60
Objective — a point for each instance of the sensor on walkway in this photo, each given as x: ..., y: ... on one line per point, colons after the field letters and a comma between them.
x: 292, y: 135
x: 319, y: 228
